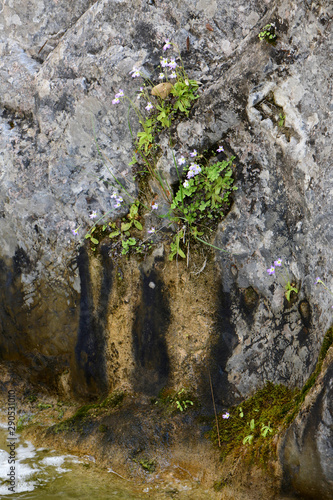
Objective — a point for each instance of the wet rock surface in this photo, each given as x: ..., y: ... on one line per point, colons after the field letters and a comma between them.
x: 82, y: 324
x: 306, y: 450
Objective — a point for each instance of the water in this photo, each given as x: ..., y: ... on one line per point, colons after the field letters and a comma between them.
x: 45, y: 474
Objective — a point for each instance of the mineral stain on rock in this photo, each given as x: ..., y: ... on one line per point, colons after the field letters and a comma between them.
x: 152, y: 318
x: 90, y: 348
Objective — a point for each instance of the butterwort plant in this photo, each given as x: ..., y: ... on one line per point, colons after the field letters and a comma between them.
x: 279, y: 267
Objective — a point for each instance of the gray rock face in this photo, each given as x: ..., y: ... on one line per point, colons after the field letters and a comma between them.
x: 60, y: 68
x: 307, y: 448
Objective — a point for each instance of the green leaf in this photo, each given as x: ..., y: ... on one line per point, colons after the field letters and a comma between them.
x: 114, y: 234
x: 138, y: 225
x: 93, y: 240
x: 125, y: 226
x: 88, y: 235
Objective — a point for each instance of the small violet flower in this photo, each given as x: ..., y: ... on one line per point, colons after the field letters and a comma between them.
x: 278, y: 263
x: 93, y: 215
x: 318, y: 280
x: 181, y: 160
x: 173, y: 75
x: 161, y: 76
x: 164, y: 62
x: 194, y: 153
x: 172, y: 64
x: 271, y: 270
x: 194, y: 169
x: 114, y: 195
x: 120, y: 94
x: 115, y: 100
x: 154, y: 206
x: 135, y: 72
x: 151, y: 230
x: 167, y: 44
x: 186, y: 184
x: 226, y: 415
x: 220, y: 149
x: 149, y: 106
x: 117, y: 205
x: 75, y: 231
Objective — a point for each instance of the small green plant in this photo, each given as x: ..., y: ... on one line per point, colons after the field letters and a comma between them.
x: 148, y: 465
x: 268, y: 33
x: 265, y: 429
x: 179, y: 400
x: 290, y: 287
x: 249, y: 438
x: 181, y: 403
x: 281, y: 120
x: 203, y: 196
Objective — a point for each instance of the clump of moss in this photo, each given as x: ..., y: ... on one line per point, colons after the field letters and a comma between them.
x: 274, y: 406
x: 148, y: 465
x: 268, y: 407
x: 87, y: 413
x: 175, y: 401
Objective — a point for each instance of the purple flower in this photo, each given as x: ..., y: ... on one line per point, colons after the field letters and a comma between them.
x: 93, y: 215
x: 318, y: 280
x: 161, y: 76
x: 194, y: 153
x: 120, y: 94
x: 186, y: 184
x: 117, y: 205
x: 149, y: 106
x: 114, y: 195
x: 278, y: 263
x: 226, y: 415
x: 119, y: 199
x: 167, y: 44
x: 135, y: 72
x: 154, y: 206
x: 194, y: 169
x: 115, y: 100
x: 151, y: 230
x: 181, y: 160
x: 271, y: 270
x: 75, y: 231
x: 173, y: 75
x: 172, y: 64
x: 220, y: 149
x: 164, y: 62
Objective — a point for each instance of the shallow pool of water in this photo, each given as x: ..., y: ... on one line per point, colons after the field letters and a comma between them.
x: 45, y: 474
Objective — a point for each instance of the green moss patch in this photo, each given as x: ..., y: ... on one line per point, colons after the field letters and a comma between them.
x: 88, y: 413
x: 260, y: 416
x: 251, y: 426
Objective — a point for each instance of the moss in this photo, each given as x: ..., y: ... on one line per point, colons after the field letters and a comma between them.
x: 274, y: 405
x: 268, y: 406
x: 175, y: 401
x: 148, y: 465
x: 85, y: 416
